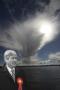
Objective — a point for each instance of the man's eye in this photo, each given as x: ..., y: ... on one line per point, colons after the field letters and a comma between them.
x: 14, y: 58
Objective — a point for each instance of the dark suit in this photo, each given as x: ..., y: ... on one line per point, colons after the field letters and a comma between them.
x: 6, y: 81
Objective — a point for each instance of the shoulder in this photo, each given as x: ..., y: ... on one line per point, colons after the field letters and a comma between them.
x: 3, y: 71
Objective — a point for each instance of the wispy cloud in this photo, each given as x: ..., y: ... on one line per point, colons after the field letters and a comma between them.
x: 54, y: 56
x: 26, y: 37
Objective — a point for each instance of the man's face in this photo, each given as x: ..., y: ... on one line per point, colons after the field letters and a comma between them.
x: 11, y: 61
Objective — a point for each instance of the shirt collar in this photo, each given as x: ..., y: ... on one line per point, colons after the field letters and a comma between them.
x: 9, y: 69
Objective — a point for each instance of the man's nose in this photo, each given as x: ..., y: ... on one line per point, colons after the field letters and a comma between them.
x: 14, y: 60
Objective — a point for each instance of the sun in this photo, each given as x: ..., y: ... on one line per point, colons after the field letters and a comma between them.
x: 47, y: 30
x: 46, y: 27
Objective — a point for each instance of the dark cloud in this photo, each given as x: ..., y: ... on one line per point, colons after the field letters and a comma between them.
x: 18, y: 9
x: 13, y: 10
x: 53, y: 7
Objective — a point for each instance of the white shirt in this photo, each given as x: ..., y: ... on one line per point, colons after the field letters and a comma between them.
x: 11, y: 71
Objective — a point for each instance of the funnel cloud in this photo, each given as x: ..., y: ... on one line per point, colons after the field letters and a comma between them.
x: 27, y: 37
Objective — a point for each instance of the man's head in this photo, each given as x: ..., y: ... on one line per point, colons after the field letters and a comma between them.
x: 10, y: 58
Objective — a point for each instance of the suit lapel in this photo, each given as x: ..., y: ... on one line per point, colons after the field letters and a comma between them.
x: 7, y: 72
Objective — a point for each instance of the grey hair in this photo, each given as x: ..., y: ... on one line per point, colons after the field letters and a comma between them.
x: 9, y: 53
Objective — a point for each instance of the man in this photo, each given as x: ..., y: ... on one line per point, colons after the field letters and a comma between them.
x: 7, y: 73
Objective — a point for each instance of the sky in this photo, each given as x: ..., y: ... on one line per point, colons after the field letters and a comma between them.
x: 18, y: 21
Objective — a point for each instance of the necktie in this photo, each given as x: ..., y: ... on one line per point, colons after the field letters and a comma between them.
x: 13, y: 74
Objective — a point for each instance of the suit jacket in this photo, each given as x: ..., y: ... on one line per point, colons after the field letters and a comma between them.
x: 6, y: 81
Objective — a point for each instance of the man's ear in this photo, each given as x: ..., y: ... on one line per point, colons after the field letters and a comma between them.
x: 7, y: 57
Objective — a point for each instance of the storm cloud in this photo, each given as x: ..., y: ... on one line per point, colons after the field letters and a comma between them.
x: 25, y: 36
